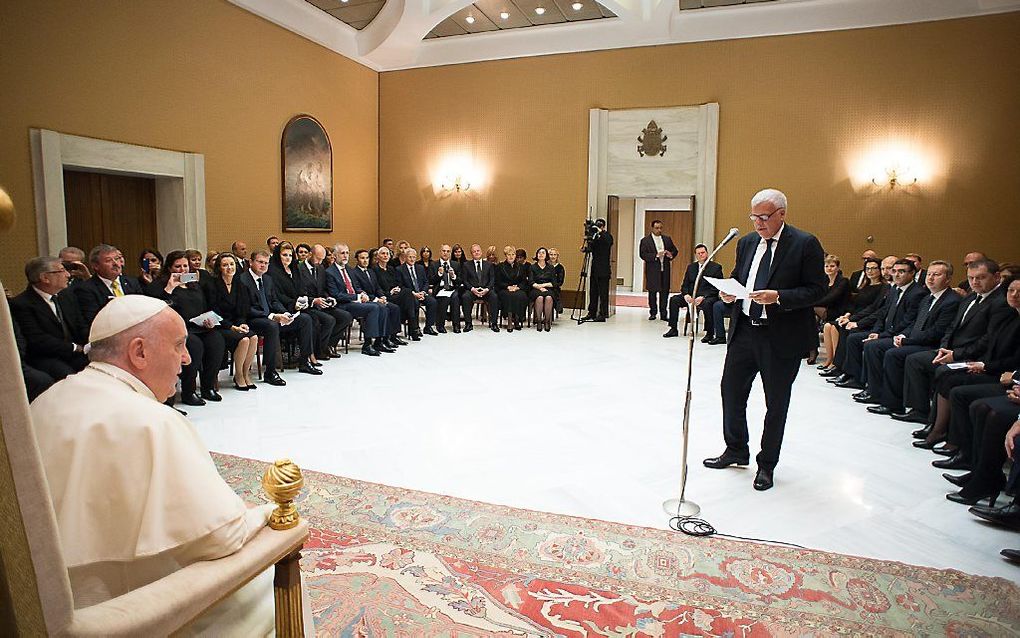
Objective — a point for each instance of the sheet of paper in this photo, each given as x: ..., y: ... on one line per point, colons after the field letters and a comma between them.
x: 200, y: 319
x: 959, y: 365
x: 444, y: 293
x: 729, y: 286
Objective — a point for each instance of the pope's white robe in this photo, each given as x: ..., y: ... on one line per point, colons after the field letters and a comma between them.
x: 137, y: 495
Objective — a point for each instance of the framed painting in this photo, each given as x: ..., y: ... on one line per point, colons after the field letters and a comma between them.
x: 307, y: 162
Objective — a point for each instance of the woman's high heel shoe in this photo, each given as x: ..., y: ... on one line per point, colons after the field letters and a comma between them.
x: 238, y: 386
x: 812, y: 357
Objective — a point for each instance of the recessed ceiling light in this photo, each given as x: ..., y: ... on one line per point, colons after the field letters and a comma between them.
x: 343, y: 1
x: 539, y: 10
x: 504, y: 15
x: 470, y: 19
x: 577, y: 6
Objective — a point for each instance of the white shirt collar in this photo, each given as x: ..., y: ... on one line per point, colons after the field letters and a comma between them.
x: 47, y: 297
x: 938, y: 294
x: 775, y: 237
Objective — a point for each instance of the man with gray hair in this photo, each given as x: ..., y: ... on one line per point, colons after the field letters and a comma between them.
x: 771, y: 331
x: 50, y: 321
x: 108, y: 265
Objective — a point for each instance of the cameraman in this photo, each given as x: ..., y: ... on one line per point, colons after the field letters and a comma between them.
x: 598, y: 244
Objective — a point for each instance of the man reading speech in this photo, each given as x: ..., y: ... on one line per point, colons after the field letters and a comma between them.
x: 771, y: 332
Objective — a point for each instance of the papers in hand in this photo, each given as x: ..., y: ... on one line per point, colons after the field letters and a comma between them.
x: 444, y: 293
x: 210, y: 316
x: 730, y: 287
x: 958, y: 365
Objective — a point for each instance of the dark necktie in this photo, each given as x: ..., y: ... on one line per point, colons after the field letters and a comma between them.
x: 894, y: 303
x: 761, y: 278
x: 478, y: 270
x: 347, y: 281
x: 262, y: 294
x: 976, y: 303
x: 414, y: 278
x: 60, y: 318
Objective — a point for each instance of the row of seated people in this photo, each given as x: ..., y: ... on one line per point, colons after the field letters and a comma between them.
x: 308, y: 292
x: 917, y: 349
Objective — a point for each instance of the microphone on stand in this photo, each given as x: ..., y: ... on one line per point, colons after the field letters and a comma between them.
x: 683, y: 507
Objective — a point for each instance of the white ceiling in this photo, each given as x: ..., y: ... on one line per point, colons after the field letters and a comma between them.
x: 395, y: 39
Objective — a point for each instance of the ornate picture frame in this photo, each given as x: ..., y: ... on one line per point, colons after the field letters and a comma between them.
x: 306, y: 176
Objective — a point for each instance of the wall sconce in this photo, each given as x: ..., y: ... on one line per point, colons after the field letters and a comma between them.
x: 895, y: 176
x: 456, y: 183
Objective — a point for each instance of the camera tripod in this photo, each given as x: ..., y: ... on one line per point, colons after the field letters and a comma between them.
x: 577, y: 313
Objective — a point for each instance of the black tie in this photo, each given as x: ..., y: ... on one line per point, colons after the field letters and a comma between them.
x: 414, y: 278
x: 60, y: 318
x: 893, y: 304
x: 761, y: 278
x: 976, y: 303
x: 262, y: 293
x: 478, y: 270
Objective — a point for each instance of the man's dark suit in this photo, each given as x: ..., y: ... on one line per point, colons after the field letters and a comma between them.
x: 36, y: 381
x: 313, y: 282
x: 599, y: 273
x: 475, y: 278
x: 51, y: 341
x: 855, y: 279
x: 899, y: 311
x: 775, y: 348
x: 93, y: 295
x: 448, y: 307
x: 263, y: 303
x: 657, y: 273
x: 884, y: 362
x: 368, y: 313
x: 966, y: 337
x: 705, y: 289
x: 389, y: 316
x: 419, y: 283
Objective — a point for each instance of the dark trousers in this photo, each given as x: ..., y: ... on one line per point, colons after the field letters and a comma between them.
x: 890, y: 386
x: 270, y: 332
x: 430, y: 303
x: 341, y: 321
x: 206, y: 352
x: 918, y: 377
x: 992, y: 419
x: 706, y: 309
x: 324, y: 324
x: 658, y: 302
x: 448, y: 308
x: 370, y: 314
x: 961, y: 422
x: 390, y: 316
x: 750, y: 353
x: 36, y: 381
x: 598, y: 295
x: 720, y: 309
x: 59, y: 368
x: 853, y: 361
x: 491, y: 299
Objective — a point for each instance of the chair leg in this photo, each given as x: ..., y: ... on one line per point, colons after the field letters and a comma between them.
x: 287, y: 597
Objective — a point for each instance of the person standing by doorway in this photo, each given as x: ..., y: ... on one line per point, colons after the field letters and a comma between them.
x: 658, y: 252
x: 601, y: 271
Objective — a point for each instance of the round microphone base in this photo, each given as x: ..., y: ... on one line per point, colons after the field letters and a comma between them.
x: 681, y: 508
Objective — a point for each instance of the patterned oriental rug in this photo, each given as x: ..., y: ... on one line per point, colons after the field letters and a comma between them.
x: 383, y: 561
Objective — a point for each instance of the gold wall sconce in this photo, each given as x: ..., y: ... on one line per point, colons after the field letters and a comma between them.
x: 894, y: 176
x: 455, y: 183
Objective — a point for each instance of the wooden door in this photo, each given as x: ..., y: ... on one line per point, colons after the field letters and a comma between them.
x: 679, y: 225
x: 111, y: 209
x: 613, y: 226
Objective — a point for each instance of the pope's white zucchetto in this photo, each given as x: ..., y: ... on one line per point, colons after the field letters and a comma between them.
x: 122, y: 313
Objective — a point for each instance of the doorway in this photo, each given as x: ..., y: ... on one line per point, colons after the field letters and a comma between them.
x: 111, y: 209
x: 678, y: 217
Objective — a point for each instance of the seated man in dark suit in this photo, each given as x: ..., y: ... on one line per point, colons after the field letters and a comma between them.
x: 389, y: 318
x: 52, y: 326
x: 319, y: 298
x: 966, y: 337
x: 268, y: 318
x: 109, y: 281
x: 898, y: 314
x: 479, y: 277
x: 36, y: 381
x: 884, y: 358
x: 707, y: 293
x: 413, y: 277
x: 445, y: 275
x: 340, y: 286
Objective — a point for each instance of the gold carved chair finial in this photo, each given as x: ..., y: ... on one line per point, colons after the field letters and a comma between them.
x: 282, y: 482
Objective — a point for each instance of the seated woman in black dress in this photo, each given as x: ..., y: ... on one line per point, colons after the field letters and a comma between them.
x: 386, y: 273
x: 836, y: 299
x: 288, y: 279
x: 205, y: 344
x: 511, y: 283
x: 229, y: 299
x: 457, y: 254
x: 873, y: 287
x: 543, y: 281
x: 561, y: 276
x: 425, y: 258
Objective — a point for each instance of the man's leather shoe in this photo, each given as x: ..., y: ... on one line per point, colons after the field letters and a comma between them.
x: 397, y: 341
x: 192, y: 399
x: 382, y: 346
x: 211, y: 395
x: 707, y: 339
x: 910, y: 416
x: 314, y: 364
x: 945, y: 449
x: 599, y: 319
x: 369, y: 350
x: 921, y: 433
x: 864, y: 397
x: 1007, y: 515
x: 273, y: 378
x: 763, y: 480
x: 493, y: 327
x: 958, y: 497
x: 927, y: 445
x: 1012, y: 555
x: 416, y: 336
x: 840, y: 378
x: 851, y: 384
x: 467, y: 328
x: 959, y: 480
x: 308, y: 368
x: 880, y: 410
x: 718, y: 341
x: 429, y: 330
x: 442, y: 329
x: 725, y: 460
x: 831, y: 373
x: 672, y: 332
x: 955, y: 462
x: 456, y: 330
x: 651, y: 317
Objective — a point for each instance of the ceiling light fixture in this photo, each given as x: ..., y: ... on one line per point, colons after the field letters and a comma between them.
x: 503, y: 15
x: 539, y: 10
x: 343, y: 1
x: 470, y: 19
x: 577, y: 6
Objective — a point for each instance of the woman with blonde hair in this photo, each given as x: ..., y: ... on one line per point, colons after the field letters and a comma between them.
x: 511, y: 283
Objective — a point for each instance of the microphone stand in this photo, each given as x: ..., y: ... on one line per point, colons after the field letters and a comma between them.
x: 682, y: 506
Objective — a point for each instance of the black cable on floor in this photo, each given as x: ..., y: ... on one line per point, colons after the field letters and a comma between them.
x: 693, y: 526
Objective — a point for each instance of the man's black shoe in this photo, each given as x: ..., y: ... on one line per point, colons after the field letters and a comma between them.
x: 707, y: 339
x: 211, y: 395
x: 382, y: 346
x: 1007, y: 515
x: 651, y: 317
x: 1012, y: 555
x: 880, y: 410
x: 831, y: 373
x: 273, y: 378
x: 367, y: 349
x: 467, y: 328
x: 725, y: 460
x: 922, y: 433
x: 763, y: 480
x: 851, y: 384
x: 192, y: 399
x: 456, y: 329
x: 957, y: 462
x: 946, y: 449
x: 442, y: 329
x: 718, y: 341
x: 672, y: 332
x: 599, y: 319
x: 429, y: 330
x: 416, y: 336
x: 493, y: 327
x: 910, y: 416
x: 588, y: 317
x: 308, y: 368
x: 959, y: 480
x: 397, y: 341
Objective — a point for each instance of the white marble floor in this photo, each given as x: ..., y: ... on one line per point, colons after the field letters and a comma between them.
x: 586, y: 420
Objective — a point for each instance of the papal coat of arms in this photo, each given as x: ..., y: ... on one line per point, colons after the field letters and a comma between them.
x: 651, y: 142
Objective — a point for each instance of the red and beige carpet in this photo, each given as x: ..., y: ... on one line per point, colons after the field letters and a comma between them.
x: 383, y: 561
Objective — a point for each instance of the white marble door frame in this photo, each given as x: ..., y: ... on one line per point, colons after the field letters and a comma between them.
x: 180, y: 186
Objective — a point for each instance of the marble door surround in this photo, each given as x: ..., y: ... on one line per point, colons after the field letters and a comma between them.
x: 180, y: 186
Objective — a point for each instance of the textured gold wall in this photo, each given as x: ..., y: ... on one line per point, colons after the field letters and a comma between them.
x: 190, y: 75
x: 795, y: 113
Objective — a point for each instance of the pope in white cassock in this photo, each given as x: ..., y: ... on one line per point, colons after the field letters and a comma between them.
x: 136, y: 493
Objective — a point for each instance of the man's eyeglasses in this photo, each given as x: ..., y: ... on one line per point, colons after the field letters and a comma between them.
x: 763, y: 218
